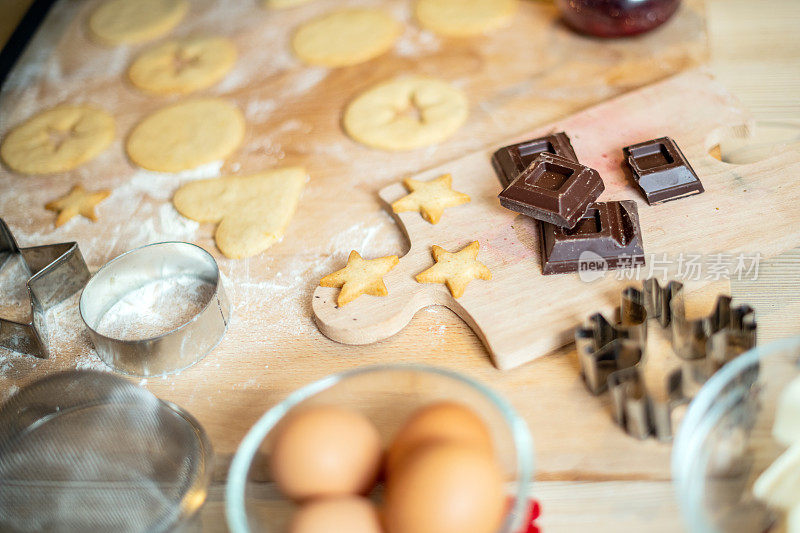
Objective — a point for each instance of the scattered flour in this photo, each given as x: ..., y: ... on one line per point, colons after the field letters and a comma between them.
x: 156, y: 308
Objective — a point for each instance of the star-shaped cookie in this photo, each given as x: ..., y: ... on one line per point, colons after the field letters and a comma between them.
x: 430, y: 198
x: 77, y: 202
x: 360, y: 276
x: 455, y: 269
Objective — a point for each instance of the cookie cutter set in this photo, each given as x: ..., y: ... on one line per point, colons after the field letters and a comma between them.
x: 58, y: 271
x: 55, y: 272
x: 612, y: 354
x: 89, y: 451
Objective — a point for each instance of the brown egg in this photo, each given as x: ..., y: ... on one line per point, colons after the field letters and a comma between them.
x: 345, y: 514
x: 439, y: 422
x: 326, y: 451
x: 445, y: 488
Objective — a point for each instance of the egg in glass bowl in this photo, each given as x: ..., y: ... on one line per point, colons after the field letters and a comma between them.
x: 381, y: 449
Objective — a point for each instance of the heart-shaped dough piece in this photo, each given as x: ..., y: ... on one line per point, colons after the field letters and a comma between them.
x: 253, y: 211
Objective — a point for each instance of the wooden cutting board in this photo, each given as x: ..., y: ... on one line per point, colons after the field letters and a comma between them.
x: 522, y: 314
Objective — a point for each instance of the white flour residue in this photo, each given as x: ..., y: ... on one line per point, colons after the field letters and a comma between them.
x: 415, y: 42
x: 360, y: 237
x: 260, y: 110
x: 305, y: 80
x: 156, y: 308
x: 160, y: 186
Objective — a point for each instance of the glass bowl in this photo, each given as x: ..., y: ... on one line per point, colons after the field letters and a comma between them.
x: 387, y: 395
x: 725, y: 441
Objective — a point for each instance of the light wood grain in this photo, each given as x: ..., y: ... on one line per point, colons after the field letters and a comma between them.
x: 521, y: 314
x: 293, y: 113
x: 274, y: 347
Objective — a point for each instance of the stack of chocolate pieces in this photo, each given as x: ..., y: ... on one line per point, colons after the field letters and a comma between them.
x: 544, y: 180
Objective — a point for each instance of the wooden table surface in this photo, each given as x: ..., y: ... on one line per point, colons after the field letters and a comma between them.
x: 755, y: 51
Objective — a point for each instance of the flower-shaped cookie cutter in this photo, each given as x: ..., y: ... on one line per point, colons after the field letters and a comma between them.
x: 55, y: 272
x: 611, y: 354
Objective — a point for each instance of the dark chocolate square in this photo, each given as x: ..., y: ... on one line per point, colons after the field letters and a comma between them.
x: 510, y: 161
x: 607, y: 236
x: 662, y: 171
x: 553, y: 189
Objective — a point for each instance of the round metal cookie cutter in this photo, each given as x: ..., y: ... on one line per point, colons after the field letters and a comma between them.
x: 130, y: 275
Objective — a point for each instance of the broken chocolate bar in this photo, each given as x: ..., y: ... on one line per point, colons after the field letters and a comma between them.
x: 608, y: 236
x: 509, y: 162
x: 661, y: 170
x: 553, y: 189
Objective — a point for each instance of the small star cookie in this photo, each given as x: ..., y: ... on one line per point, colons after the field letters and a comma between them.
x: 455, y: 269
x: 360, y: 276
x: 430, y: 198
x: 77, y: 202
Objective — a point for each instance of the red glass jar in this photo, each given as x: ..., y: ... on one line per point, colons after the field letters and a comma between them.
x: 616, y: 18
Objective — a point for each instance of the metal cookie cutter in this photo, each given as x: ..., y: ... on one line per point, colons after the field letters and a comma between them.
x: 163, y: 263
x: 56, y: 272
x: 610, y: 354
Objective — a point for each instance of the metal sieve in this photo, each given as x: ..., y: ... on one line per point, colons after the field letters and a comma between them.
x: 90, y: 451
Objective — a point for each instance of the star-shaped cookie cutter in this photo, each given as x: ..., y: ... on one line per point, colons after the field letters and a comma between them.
x: 611, y: 353
x: 55, y: 272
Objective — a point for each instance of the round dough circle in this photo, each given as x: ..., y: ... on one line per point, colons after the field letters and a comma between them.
x: 281, y: 4
x: 135, y: 21
x: 180, y: 67
x: 406, y: 113
x: 186, y: 135
x: 458, y: 18
x: 57, y: 140
x: 345, y: 37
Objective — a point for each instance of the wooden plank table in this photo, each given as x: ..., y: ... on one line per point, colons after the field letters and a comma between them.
x: 607, y: 481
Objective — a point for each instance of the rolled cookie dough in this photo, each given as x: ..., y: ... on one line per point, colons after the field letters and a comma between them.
x: 458, y: 18
x: 134, y: 21
x: 180, y: 67
x: 253, y: 211
x: 186, y: 135
x: 281, y: 4
x: 345, y: 37
x: 57, y: 140
x: 406, y: 113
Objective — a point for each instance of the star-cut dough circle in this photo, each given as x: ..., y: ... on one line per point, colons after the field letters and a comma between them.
x: 461, y: 18
x: 360, y: 276
x: 57, y: 140
x: 134, y: 21
x: 406, y: 113
x: 183, y: 66
x: 77, y: 202
x: 430, y: 198
x: 455, y: 269
x: 253, y: 211
x: 186, y: 135
x: 346, y: 37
